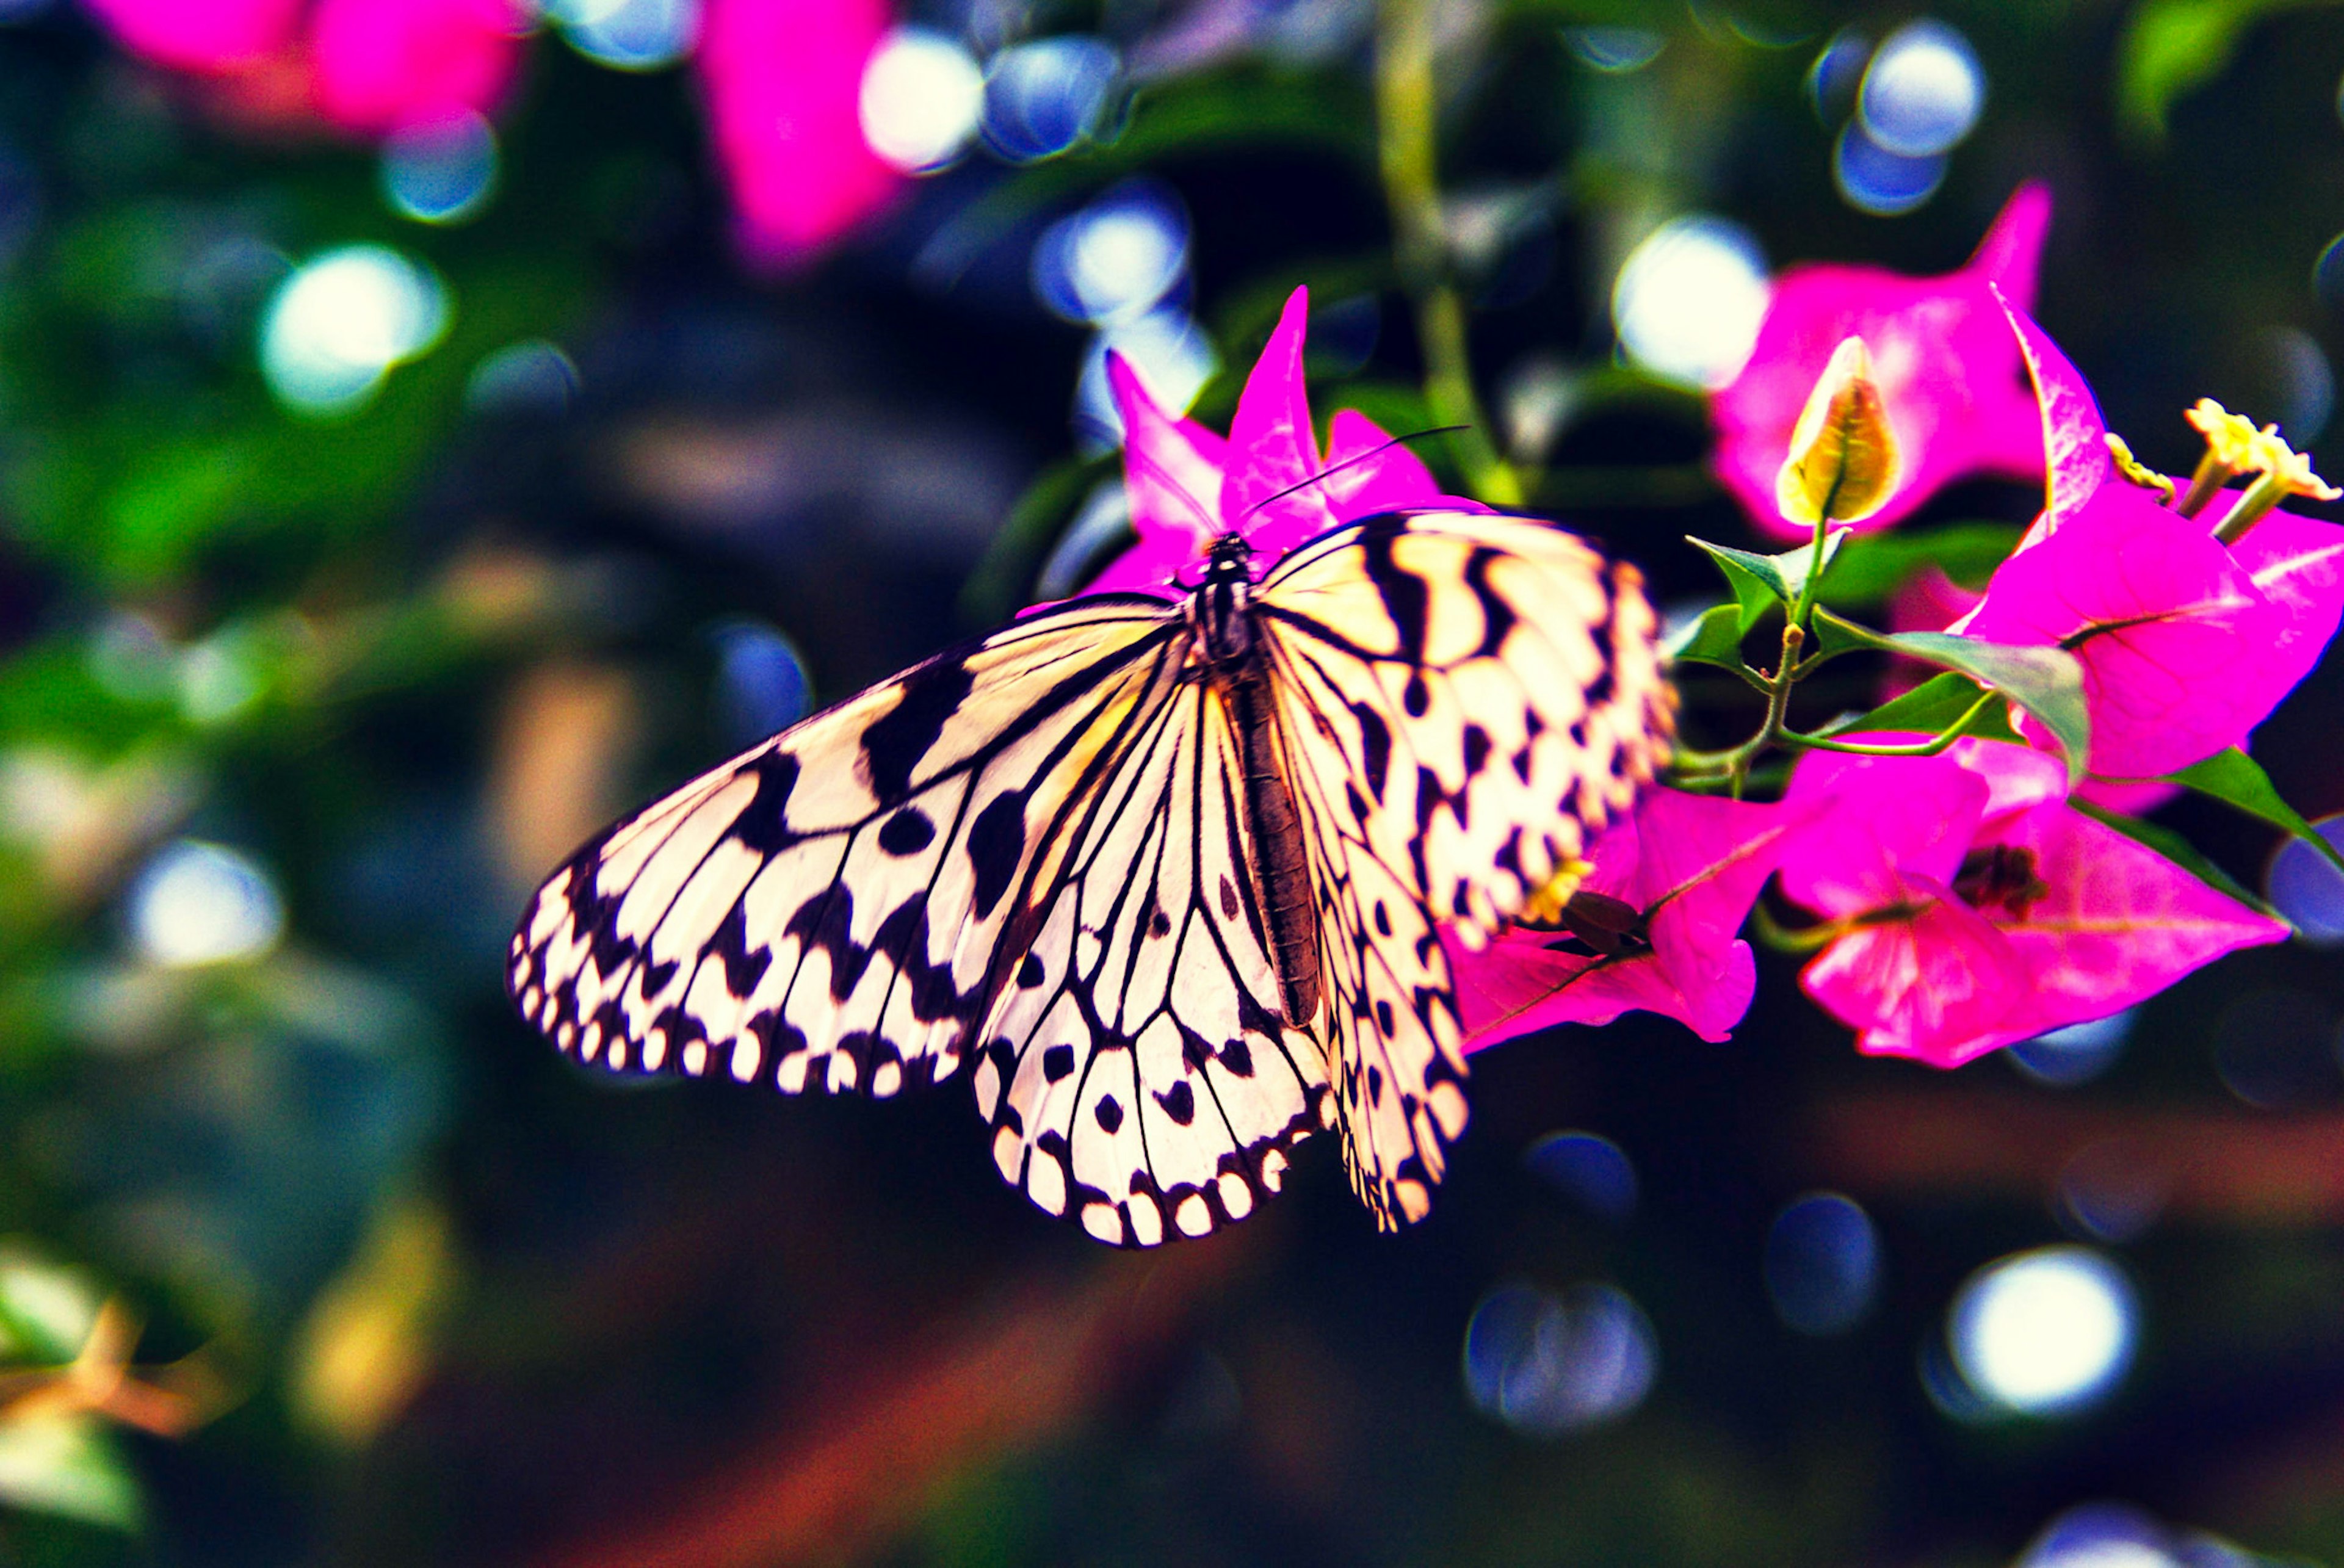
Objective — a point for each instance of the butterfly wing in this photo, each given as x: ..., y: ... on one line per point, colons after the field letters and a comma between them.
x: 827, y: 910
x: 1463, y: 701
x: 1136, y: 1072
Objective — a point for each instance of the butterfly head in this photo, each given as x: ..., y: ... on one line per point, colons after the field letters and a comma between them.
x: 1220, y: 608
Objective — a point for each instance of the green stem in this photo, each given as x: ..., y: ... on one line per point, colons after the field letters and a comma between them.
x: 1406, y: 103
x: 1928, y: 748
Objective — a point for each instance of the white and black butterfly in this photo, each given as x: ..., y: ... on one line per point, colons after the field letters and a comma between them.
x: 1166, y: 876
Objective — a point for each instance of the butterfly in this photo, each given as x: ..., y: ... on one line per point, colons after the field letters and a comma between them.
x: 1168, y: 878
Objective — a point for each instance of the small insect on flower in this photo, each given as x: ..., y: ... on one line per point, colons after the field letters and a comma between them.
x: 1168, y: 875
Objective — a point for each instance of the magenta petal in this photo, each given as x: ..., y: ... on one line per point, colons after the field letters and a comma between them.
x: 784, y: 80
x: 2074, y: 437
x: 2012, y: 251
x: 1694, y: 865
x: 2174, y: 638
x: 1369, y: 473
x: 1949, y: 373
x: 1171, y: 468
x: 2119, y: 924
x: 1874, y: 819
x: 1932, y: 986
x: 391, y: 65
x: 1272, y: 448
x: 207, y: 35
x: 2298, y: 565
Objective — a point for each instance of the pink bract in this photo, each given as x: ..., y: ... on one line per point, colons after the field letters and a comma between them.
x: 1265, y: 482
x: 1949, y: 373
x: 2187, y: 643
x: 1979, y: 909
x: 383, y: 65
x: 1692, y: 865
x: 212, y: 35
x: 784, y: 80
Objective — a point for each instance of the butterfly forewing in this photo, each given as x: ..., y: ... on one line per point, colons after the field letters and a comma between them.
x: 826, y: 910
x: 1463, y: 701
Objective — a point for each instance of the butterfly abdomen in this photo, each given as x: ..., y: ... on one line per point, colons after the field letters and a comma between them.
x: 1281, y: 871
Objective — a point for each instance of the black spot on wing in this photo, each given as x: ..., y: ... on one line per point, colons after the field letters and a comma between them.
x: 1406, y: 597
x: 764, y: 824
x: 907, y: 831
x: 997, y: 842
x: 1058, y: 1063
x: 1029, y: 972
x: 894, y: 744
x: 1375, y: 746
x: 1179, y: 1102
x: 1110, y: 1113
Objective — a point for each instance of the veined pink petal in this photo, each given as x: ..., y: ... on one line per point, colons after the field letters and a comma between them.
x: 2011, y: 254
x: 1932, y: 983
x: 1877, y: 819
x: 1942, y: 355
x: 2298, y: 564
x: 1369, y: 473
x: 1272, y: 448
x: 1693, y: 866
x: 784, y: 80
x: 1172, y: 473
x: 207, y: 35
x: 2176, y: 640
x: 385, y: 65
x: 2074, y: 437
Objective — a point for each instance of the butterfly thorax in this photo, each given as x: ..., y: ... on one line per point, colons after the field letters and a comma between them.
x: 1221, y: 614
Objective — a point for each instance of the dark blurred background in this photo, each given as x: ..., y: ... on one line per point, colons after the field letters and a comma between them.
x: 384, y: 505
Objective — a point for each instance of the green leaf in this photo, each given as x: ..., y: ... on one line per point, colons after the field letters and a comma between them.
x: 2176, y: 849
x: 2048, y: 683
x: 1929, y: 708
x: 1761, y: 582
x: 2170, y: 47
x: 2237, y: 779
x: 1715, y: 638
x: 1875, y: 566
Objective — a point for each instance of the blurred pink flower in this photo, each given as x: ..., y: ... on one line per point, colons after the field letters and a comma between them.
x: 1952, y: 383
x: 782, y: 80
x: 367, y: 66
x: 1267, y: 480
x: 207, y: 35
x: 1687, y: 867
x: 2187, y: 643
x: 383, y: 65
x: 1975, y: 908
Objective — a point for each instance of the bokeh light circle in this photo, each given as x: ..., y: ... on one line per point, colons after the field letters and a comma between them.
x: 440, y: 172
x: 1876, y: 180
x: 2075, y: 1054
x: 1589, y: 1169
x: 1116, y: 258
x: 761, y: 681
x: 628, y: 34
x: 1689, y: 300
x: 1043, y: 97
x: 1614, y: 51
x: 342, y: 320
x: 201, y: 902
x: 1172, y: 355
x: 1923, y: 92
x: 1822, y: 1264
x: 2046, y: 1332
x: 1546, y: 1364
x: 2306, y: 887
x: 922, y: 97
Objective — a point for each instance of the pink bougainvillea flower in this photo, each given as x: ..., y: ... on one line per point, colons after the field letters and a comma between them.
x: 782, y: 80
x: 1267, y: 480
x: 383, y: 65
x: 366, y: 66
x: 1941, y: 355
x: 2186, y: 643
x: 205, y: 35
x: 1975, y: 908
x: 1682, y: 870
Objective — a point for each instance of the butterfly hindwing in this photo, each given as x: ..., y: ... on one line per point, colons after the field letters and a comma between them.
x: 824, y: 911
x: 1463, y: 701
x: 1136, y: 1072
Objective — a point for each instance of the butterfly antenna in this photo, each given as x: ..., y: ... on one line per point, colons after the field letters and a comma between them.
x: 1325, y: 474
